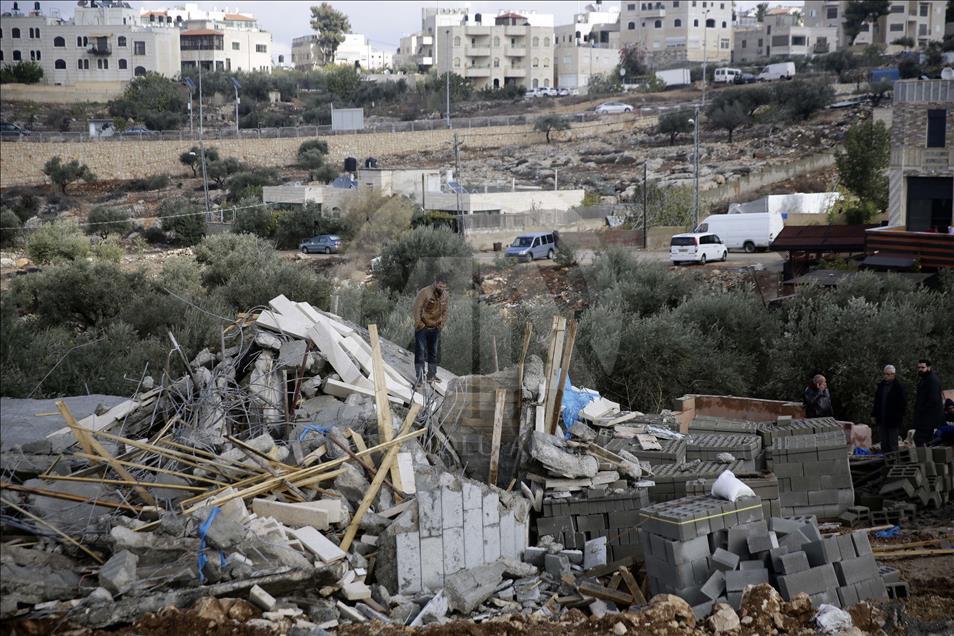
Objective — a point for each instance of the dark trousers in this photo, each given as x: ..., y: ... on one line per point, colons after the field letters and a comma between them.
x: 923, y: 437
x: 425, y: 350
x: 889, y: 440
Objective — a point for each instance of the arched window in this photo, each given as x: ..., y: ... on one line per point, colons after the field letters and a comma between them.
x: 710, y: 23
x: 546, y: 42
x: 456, y: 62
x: 140, y: 71
x: 496, y: 41
x: 59, y: 42
x: 79, y: 64
x: 496, y: 62
x: 15, y: 33
x: 16, y: 56
x: 546, y: 62
x: 695, y: 23
x: 37, y: 33
x: 536, y: 41
x: 31, y: 33
x: 123, y: 64
x: 536, y: 62
x: 457, y: 40
x: 536, y: 83
x: 677, y: 22
x: 546, y: 83
x: 723, y: 24
x: 61, y: 64
x: 121, y: 40
x: 657, y: 24
x: 631, y: 26
x: 578, y: 33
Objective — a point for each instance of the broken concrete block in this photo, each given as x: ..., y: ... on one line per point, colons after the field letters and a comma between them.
x: 435, y: 609
x: 261, y: 599
x: 356, y: 591
x: 266, y: 340
x: 352, y: 483
x: 467, y: 589
x: 293, y: 515
x: 518, y: 569
x: 549, y: 451
x: 318, y: 545
x: 557, y: 565
x: 118, y: 575
x: 594, y: 552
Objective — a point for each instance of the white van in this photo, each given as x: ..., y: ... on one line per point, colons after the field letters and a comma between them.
x: 727, y: 75
x: 696, y: 247
x: 782, y: 70
x: 747, y: 232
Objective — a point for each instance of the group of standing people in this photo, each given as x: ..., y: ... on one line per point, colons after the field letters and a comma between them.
x: 933, y: 416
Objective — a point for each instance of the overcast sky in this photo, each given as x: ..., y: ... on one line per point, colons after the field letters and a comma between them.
x: 382, y: 22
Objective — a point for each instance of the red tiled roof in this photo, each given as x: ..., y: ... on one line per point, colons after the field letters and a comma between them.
x: 155, y: 13
x: 200, y: 32
x: 510, y: 14
x: 238, y: 17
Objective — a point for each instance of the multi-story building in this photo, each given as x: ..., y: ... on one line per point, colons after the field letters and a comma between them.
x: 355, y: 51
x: 920, y: 21
x: 219, y: 40
x: 678, y: 30
x: 491, y: 51
x: 103, y: 43
x: 782, y: 34
x: 306, y: 55
x: 586, y: 48
x: 920, y: 178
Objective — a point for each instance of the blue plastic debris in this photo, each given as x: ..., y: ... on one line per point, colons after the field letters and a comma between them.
x: 313, y: 428
x: 574, y: 401
x: 890, y: 533
x: 204, y: 530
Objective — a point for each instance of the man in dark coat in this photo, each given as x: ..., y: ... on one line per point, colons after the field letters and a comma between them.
x: 928, y: 404
x: 817, y: 399
x: 890, y: 402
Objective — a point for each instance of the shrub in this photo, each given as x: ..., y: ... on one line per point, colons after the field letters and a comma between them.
x: 147, y: 184
x: 674, y: 123
x: 800, y: 99
x: 103, y: 221
x: 550, y: 123
x: 297, y: 224
x: 108, y: 250
x: 9, y: 228
x: 193, y: 158
x: 374, y: 220
x: 249, y: 183
x: 861, y: 165
x: 221, y: 255
x: 183, y: 219
x: 154, y: 234
x: 62, y: 174
x: 26, y: 207
x: 566, y: 254
x: 57, y: 241
x: 159, y: 102
x: 729, y: 116
x: 221, y: 169
x: 413, y: 259
x: 255, y: 219
x: 255, y: 283
x: 21, y: 73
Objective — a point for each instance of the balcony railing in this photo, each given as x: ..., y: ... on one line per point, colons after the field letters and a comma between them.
x: 100, y: 49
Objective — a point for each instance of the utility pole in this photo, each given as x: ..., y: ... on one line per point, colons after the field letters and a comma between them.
x: 705, y: 55
x: 457, y: 172
x: 645, y: 203
x: 205, y: 176
x: 449, y: 54
x: 695, y: 157
x: 236, y: 86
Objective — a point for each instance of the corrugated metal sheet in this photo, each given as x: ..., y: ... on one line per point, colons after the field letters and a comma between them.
x: 924, y: 91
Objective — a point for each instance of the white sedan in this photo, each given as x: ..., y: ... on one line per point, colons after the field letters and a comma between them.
x: 613, y: 108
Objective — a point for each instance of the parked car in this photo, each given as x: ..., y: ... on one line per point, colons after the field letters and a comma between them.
x: 613, y: 108
x: 726, y: 75
x: 745, y: 78
x: 532, y: 246
x: 749, y: 231
x: 549, y: 92
x: 324, y: 244
x: 782, y: 70
x: 13, y: 130
x: 563, y: 92
x: 697, y: 247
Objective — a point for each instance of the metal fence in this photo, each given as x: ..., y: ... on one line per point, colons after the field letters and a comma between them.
x: 313, y: 131
x: 489, y: 222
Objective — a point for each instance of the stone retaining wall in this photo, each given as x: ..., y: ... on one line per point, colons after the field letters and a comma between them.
x: 21, y: 163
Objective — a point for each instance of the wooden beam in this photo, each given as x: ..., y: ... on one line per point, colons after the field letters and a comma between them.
x: 66, y: 496
x: 381, y: 404
x: 633, y: 586
x: 606, y: 594
x: 527, y: 332
x: 386, y: 464
x: 495, y: 440
x: 79, y: 432
x: 564, y: 371
x: 100, y: 450
x: 558, y: 338
x: 65, y: 536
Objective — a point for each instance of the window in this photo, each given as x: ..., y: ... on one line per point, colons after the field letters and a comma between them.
x: 798, y: 40
x: 723, y: 24
x: 710, y: 23
x: 630, y: 7
x: 139, y: 47
x: 631, y: 26
x: 31, y: 33
x: 496, y: 41
x: 922, y: 30
x: 456, y: 62
x: 33, y: 56
x: 936, y: 128
x: 496, y: 62
x: 743, y: 43
x: 15, y: 33
x: 677, y: 22
x: 831, y: 13
x: 102, y: 65
x: 140, y: 71
x: 546, y: 62
x: 235, y: 46
x: 261, y: 48
x: 924, y: 10
x: 546, y: 83
x: 695, y: 23
x: 657, y: 24
x: 760, y: 42
x: 38, y: 33
x: 546, y: 42
x: 536, y: 41
x: 724, y: 43
x: 675, y: 4
x: 38, y: 55
x: 779, y: 40
x: 121, y: 40
x: 79, y: 64
x: 896, y: 27
x: 457, y: 40
x: 897, y: 8
x: 536, y: 62
x: 59, y: 42
x: 123, y: 65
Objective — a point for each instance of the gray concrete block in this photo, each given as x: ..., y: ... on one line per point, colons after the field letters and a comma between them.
x: 556, y: 565
x: 714, y: 587
x: 432, y: 563
x: 792, y: 563
x: 118, y: 574
x: 846, y: 546
x: 737, y: 580
x: 760, y: 542
x: 594, y: 553
x: 862, y: 542
x: 724, y: 560
x: 812, y: 581
x: 856, y: 570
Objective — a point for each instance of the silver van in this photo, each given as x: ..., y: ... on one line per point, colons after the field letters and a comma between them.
x: 532, y: 246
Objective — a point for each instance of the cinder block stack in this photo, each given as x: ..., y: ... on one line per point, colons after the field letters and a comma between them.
x: 765, y: 488
x: 575, y: 521
x: 672, y: 451
x: 711, y: 424
x: 813, y: 473
x: 708, y: 550
x: 708, y: 446
x: 924, y: 476
x: 671, y: 479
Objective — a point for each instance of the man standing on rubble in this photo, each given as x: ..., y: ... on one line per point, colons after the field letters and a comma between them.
x: 430, y: 316
x: 890, y: 402
x: 928, y: 404
x: 817, y: 399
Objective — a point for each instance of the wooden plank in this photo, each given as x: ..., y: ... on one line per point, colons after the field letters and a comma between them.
x: 631, y: 583
x: 552, y: 377
x: 98, y: 449
x: 386, y: 464
x: 606, y: 594
x: 564, y: 371
x: 903, y: 554
x: 495, y: 440
x: 609, y: 568
x: 78, y: 431
x: 614, y: 581
x: 381, y: 405
x: 527, y: 332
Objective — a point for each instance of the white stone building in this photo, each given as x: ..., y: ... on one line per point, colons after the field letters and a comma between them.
x: 782, y: 34
x: 586, y: 48
x: 678, y: 30
x: 512, y: 47
x: 920, y: 20
x: 105, y: 43
x: 356, y: 50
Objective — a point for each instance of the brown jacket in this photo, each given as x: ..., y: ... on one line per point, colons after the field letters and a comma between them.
x: 430, y: 308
